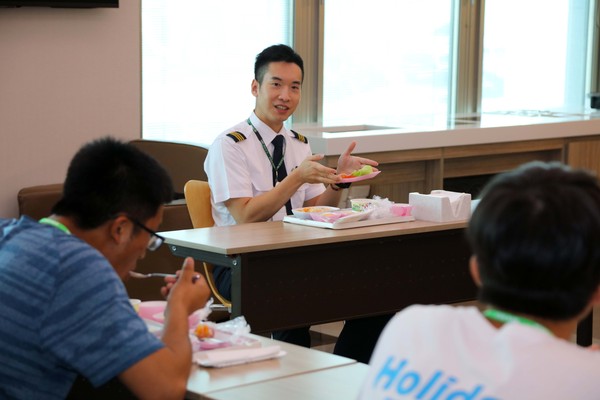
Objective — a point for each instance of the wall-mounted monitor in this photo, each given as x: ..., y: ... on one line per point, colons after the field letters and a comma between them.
x: 60, y: 3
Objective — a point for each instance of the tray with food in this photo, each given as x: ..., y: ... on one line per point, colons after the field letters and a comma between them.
x: 364, y: 212
x: 214, y: 344
x: 347, y: 225
x: 228, y: 343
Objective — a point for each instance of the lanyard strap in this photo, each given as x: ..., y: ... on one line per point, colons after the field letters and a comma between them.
x: 504, y: 317
x: 264, y: 146
x: 55, y: 224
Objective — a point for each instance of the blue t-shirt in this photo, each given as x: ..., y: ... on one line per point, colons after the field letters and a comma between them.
x: 63, y: 311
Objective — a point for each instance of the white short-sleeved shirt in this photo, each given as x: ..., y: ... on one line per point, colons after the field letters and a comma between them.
x: 445, y: 352
x: 238, y: 167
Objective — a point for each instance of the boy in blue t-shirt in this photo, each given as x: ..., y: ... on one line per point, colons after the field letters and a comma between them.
x: 65, y: 312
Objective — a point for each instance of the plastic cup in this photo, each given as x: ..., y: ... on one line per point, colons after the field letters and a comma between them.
x: 361, y: 204
x: 135, y: 303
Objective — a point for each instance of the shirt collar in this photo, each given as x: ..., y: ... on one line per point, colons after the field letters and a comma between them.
x: 265, y: 131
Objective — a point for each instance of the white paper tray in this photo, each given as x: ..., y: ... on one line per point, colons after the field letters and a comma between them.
x: 229, y: 357
x: 344, y: 224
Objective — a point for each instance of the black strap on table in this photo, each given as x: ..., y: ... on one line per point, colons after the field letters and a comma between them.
x: 281, y: 172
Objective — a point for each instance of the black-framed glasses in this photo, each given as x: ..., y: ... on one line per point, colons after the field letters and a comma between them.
x: 155, y: 239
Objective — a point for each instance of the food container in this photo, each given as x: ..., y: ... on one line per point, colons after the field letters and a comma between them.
x: 305, y: 212
x: 135, y: 303
x: 401, y: 209
x: 331, y: 216
x: 151, y: 309
x: 362, y: 204
x: 155, y: 311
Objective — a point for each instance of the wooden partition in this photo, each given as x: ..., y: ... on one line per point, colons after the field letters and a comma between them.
x: 423, y: 170
x: 584, y: 154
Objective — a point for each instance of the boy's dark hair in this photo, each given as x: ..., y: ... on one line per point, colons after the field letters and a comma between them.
x: 275, y: 53
x: 107, y: 178
x: 536, y: 236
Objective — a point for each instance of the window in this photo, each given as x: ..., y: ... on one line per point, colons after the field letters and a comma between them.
x: 198, y: 63
x: 387, y: 62
x: 394, y: 63
x: 539, y: 64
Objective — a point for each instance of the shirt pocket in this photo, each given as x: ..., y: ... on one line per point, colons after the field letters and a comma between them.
x: 262, y: 186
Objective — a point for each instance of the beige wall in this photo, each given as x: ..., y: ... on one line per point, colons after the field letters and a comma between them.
x: 66, y: 76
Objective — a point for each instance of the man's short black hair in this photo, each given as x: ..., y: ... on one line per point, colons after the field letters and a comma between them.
x: 107, y: 178
x: 275, y: 53
x: 536, y: 236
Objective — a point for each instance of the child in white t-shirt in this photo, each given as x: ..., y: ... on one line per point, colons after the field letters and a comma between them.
x: 535, y: 237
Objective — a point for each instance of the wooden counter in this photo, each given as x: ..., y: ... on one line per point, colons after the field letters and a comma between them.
x: 421, y: 159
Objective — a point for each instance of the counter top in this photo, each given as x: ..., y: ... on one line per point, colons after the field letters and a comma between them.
x: 466, y: 130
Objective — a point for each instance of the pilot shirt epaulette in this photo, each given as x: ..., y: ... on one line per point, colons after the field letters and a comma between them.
x: 237, y: 136
x: 300, y: 137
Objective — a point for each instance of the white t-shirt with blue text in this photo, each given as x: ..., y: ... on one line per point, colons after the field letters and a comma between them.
x: 455, y: 353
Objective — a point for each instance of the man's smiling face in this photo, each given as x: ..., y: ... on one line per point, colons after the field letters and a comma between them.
x: 278, y: 95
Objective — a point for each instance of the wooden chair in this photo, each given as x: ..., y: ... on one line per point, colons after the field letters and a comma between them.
x: 197, y: 197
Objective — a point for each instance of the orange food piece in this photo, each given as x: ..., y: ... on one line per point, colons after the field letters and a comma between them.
x: 204, y: 331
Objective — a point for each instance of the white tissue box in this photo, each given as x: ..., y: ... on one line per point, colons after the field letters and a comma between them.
x: 440, y: 206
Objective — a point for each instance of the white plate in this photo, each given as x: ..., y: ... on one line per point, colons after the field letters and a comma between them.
x: 304, y: 212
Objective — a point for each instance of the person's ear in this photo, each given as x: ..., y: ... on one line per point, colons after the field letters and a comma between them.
x: 120, y: 229
x: 254, y: 87
x: 596, y: 297
x: 474, y: 269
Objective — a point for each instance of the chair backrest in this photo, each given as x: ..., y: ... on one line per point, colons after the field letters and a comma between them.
x: 197, y: 197
x: 182, y: 161
x: 37, y: 201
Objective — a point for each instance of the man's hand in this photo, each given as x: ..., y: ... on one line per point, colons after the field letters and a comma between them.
x: 188, y: 287
x: 311, y: 171
x: 348, y: 163
x: 164, y: 373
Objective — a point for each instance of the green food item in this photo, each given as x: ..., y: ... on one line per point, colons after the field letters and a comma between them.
x: 365, y: 170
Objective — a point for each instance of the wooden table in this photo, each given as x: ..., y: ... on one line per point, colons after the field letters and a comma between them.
x: 342, y: 382
x: 286, y: 275
x: 298, y: 360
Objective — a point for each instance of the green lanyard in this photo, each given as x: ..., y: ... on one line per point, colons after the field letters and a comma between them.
x: 504, y: 317
x: 55, y: 224
x: 264, y: 146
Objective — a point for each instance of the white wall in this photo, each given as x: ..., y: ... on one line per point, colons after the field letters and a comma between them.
x: 67, y: 76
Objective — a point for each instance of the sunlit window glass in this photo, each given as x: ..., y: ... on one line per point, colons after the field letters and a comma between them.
x: 198, y: 63
x: 534, y: 56
x: 386, y: 62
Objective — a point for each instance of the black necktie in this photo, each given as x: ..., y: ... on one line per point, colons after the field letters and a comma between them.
x: 281, y: 172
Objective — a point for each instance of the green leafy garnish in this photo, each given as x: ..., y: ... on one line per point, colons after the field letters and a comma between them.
x: 365, y: 170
